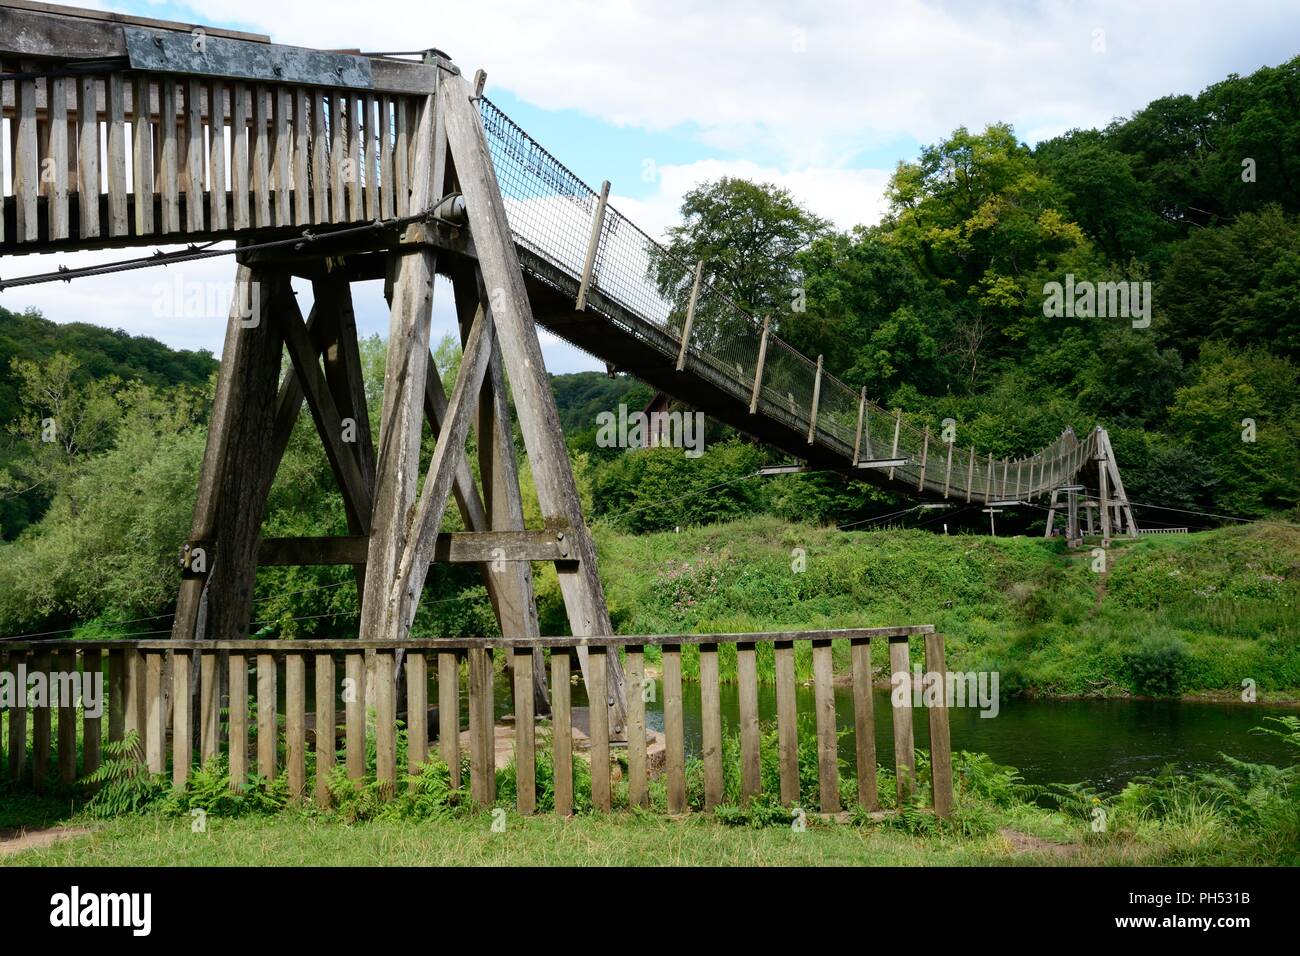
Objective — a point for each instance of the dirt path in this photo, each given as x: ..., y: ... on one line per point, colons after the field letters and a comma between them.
x: 18, y: 841
x: 1024, y: 843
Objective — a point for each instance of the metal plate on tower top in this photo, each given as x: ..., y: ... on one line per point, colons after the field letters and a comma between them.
x: 169, y: 51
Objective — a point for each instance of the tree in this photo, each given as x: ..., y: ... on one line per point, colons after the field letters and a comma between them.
x: 856, y: 284
x: 62, y: 423
x: 1241, y: 413
x: 747, y: 234
x: 1239, y: 282
x: 976, y: 214
x: 1102, y: 193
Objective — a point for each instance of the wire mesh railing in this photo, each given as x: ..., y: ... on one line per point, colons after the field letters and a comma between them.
x: 646, y: 289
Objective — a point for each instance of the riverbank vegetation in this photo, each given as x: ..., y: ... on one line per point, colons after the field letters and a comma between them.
x: 1238, y: 814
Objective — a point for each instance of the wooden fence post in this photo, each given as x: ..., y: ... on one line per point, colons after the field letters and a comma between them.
x: 904, y: 748
x: 940, y: 740
x: 637, y: 792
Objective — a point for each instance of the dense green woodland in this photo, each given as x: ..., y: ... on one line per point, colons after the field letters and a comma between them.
x: 937, y: 310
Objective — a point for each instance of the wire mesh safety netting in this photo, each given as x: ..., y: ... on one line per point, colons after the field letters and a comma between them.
x: 646, y: 289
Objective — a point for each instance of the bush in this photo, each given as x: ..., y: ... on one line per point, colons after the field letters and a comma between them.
x: 1156, y: 667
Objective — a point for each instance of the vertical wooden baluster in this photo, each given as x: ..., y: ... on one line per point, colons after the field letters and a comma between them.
x: 525, y: 732
x: 142, y: 155
x: 18, y: 722
x: 320, y: 160
x: 904, y: 749
x: 261, y: 146
x: 326, y: 720
x: 117, y: 699
x: 67, y: 665
x: 370, y: 156
x: 412, y: 107
x: 58, y: 158
x: 417, y: 711
x: 386, y: 177
x: 598, y: 723
x: 115, y: 141
x: 217, y: 215
x: 449, y: 713
x: 192, y: 156
x: 751, y: 781
x: 482, y: 749
x: 339, y: 165
x: 711, y: 725
x: 155, y: 717
x: 92, y: 667
x: 238, y: 731
x: 26, y: 166
x: 637, y: 791
x: 133, y: 679
x: 940, y: 741
x: 88, y: 184
x: 182, y: 722
x: 240, y: 170
x: 562, y: 731
x: 6, y: 155
x: 295, y: 724
x: 4, y: 654
x: 787, y: 722
x: 864, y: 723
x: 385, y: 723
x: 827, y: 742
x: 354, y: 703
x: 401, y: 169
x: 674, y: 732
x: 472, y: 684
x: 267, y: 724
x: 168, y: 157
x: 301, y: 158
x: 355, y: 146
x: 282, y: 154
x: 209, y: 707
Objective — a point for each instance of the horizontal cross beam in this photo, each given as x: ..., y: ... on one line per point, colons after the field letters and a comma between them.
x: 348, y: 645
x: 462, y: 547
x: 883, y: 463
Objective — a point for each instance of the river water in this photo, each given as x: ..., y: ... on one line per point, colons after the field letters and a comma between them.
x: 1102, y: 743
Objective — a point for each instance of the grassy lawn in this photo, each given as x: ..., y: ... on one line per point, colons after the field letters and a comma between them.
x: 621, y: 839
x: 1019, y: 835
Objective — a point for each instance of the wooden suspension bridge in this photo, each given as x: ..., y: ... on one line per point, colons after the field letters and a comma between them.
x: 337, y: 167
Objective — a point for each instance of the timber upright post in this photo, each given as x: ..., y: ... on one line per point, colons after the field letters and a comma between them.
x: 219, y: 560
x: 510, y: 312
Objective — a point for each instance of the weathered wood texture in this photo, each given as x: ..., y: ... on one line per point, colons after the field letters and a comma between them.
x: 166, y: 695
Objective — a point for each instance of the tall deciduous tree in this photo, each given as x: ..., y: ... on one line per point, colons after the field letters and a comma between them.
x: 747, y: 234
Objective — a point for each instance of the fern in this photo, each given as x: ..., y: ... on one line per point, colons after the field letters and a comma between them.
x: 122, y: 784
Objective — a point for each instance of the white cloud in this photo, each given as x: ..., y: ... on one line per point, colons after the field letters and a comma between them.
x: 847, y: 197
x: 868, y: 73
x: 808, y: 86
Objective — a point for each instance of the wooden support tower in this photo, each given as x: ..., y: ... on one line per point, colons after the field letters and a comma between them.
x: 397, y: 150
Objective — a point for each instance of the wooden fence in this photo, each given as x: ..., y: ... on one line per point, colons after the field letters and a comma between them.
x: 172, y: 693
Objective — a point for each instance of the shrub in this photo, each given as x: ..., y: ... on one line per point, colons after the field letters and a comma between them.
x: 1157, y: 666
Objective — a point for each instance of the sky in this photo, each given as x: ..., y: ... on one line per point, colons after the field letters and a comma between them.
x: 822, y: 97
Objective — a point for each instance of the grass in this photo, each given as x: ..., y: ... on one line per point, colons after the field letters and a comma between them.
x: 1023, y: 836
x: 1176, y: 614
x: 620, y: 839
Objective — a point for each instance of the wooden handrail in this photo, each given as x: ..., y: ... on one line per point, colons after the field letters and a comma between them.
x: 344, y: 645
